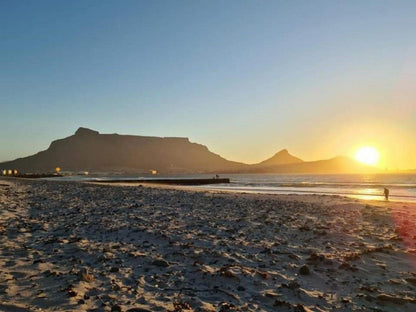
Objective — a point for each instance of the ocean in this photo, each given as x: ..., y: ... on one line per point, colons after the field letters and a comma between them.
x: 402, y: 187
x: 363, y: 186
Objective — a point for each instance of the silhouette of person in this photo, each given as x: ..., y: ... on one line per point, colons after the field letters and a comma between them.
x: 386, y: 193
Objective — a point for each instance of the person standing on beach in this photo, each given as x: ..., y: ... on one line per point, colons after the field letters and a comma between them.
x: 386, y: 193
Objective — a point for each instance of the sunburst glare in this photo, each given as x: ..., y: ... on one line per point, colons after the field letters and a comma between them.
x: 367, y: 155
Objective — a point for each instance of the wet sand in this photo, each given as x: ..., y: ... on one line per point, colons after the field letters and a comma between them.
x: 67, y: 246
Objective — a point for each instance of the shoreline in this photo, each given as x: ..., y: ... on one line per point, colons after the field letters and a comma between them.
x: 257, y: 192
x: 241, y: 184
x: 83, y: 247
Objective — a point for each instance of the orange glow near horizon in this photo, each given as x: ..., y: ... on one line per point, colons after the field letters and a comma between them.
x: 367, y: 155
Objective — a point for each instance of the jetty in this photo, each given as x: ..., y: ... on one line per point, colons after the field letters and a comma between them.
x: 37, y: 175
x: 169, y: 181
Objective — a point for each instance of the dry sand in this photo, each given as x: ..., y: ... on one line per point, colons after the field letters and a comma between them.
x: 67, y: 246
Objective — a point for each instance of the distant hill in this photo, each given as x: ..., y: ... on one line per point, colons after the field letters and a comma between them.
x: 88, y: 150
x: 280, y: 158
x: 338, y: 164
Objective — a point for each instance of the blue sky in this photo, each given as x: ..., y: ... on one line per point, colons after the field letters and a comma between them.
x: 245, y: 78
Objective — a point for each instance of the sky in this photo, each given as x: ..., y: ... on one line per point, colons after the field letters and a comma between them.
x: 244, y: 78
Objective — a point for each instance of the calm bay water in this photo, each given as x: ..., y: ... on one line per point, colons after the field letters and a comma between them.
x: 364, y: 186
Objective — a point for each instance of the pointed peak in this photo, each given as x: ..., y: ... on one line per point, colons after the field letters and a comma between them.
x: 283, y: 151
x: 281, y: 157
x: 85, y: 131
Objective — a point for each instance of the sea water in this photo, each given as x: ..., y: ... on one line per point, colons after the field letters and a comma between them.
x: 364, y: 186
x: 402, y: 187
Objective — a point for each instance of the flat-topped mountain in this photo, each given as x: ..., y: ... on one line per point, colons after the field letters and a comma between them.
x: 89, y: 150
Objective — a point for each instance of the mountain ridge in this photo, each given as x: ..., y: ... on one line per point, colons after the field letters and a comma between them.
x: 89, y: 150
x: 335, y: 165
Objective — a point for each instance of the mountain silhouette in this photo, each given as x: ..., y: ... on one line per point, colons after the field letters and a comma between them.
x: 339, y: 164
x: 282, y: 157
x: 88, y: 150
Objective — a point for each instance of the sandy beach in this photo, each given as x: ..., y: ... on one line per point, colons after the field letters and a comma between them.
x: 67, y: 246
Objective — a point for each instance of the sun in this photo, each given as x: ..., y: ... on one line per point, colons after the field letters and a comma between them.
x: 367, y: 155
